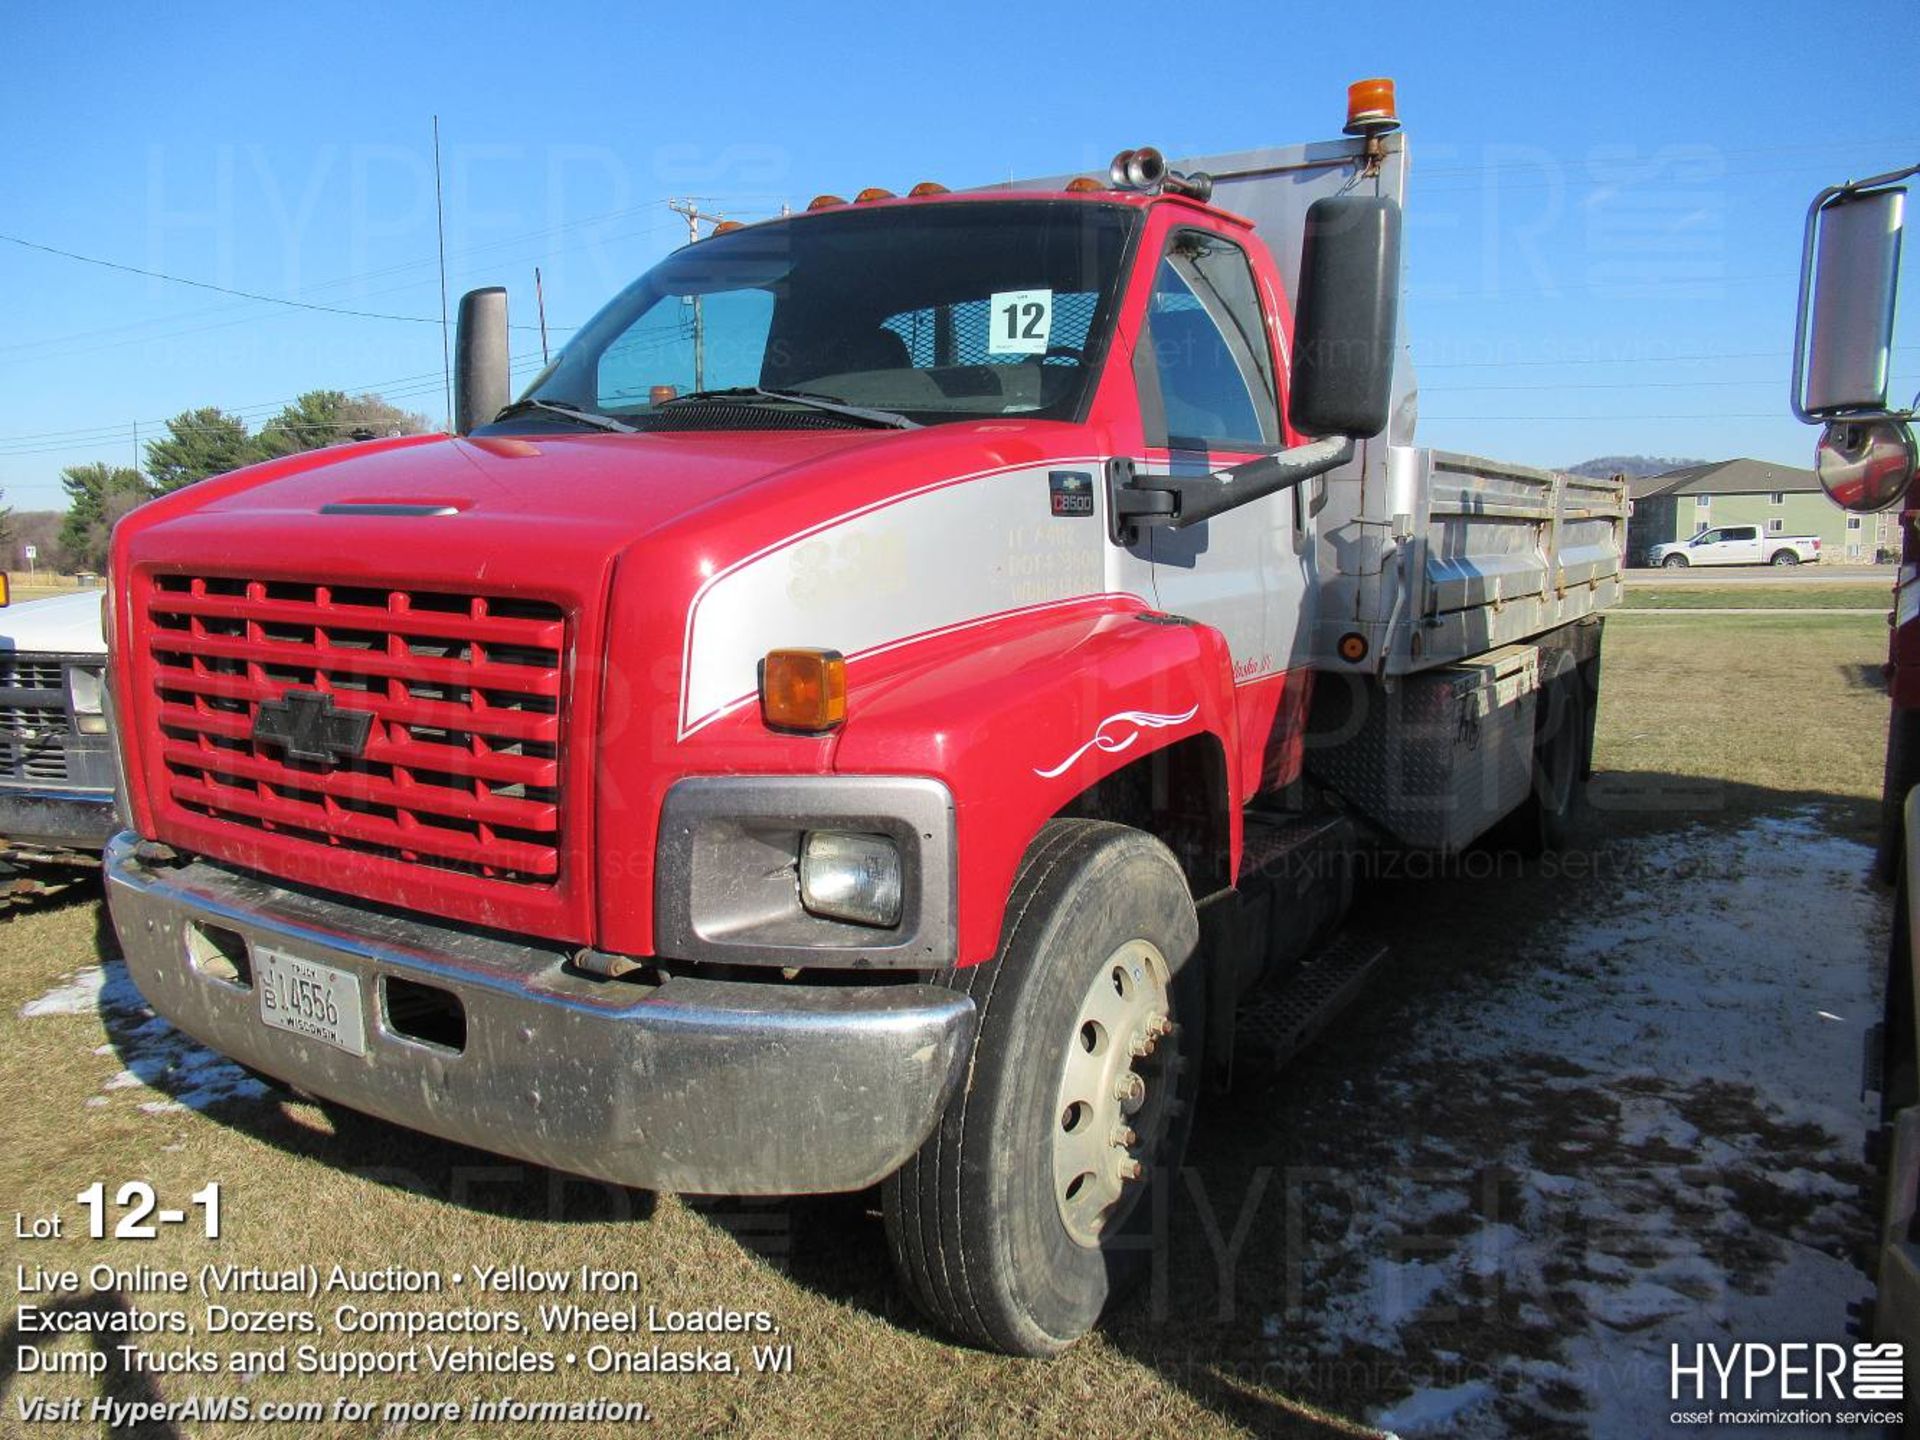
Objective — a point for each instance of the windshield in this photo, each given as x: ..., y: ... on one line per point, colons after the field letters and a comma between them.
x: 933, y: 313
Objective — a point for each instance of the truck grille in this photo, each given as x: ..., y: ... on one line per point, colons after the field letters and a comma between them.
x: 461, y: 769
x: 33, y: 720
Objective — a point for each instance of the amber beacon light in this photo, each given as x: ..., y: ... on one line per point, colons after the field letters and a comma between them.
x: 803, y: 690
x: 1370, y: 107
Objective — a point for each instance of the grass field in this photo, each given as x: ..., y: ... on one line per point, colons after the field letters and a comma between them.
x: 1705, y: 721
x: 29, y: 586
x: 1651, y: 595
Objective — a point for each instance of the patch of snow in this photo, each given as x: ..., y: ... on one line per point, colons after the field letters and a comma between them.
x: 79, y: 996
x: 1675, y: 1160
x: 155, y: 1055
x: 1426, y: 1412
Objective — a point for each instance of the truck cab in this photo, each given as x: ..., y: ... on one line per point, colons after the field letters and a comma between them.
x: 866, y: 713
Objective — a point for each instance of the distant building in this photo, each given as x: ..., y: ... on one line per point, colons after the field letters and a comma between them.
x: 1780, y: 499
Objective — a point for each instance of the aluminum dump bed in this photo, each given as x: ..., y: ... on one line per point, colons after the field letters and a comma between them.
x: 1433, y: 557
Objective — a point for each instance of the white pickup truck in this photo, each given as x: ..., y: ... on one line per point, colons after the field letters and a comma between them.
x: 1736, y: 545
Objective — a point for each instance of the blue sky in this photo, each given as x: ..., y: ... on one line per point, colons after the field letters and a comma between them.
x: 1603, y: 224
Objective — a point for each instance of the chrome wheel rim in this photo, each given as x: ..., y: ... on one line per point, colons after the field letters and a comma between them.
x: 1115, y: 1099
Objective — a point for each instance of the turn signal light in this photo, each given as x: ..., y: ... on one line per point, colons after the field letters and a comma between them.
x: 1353, y: 647
x: 1083, y: 185
x: 6, y: 589
x: 803, y: 690
x: 873, y: 192
x: 825, y: 202
x: 927, y: 187
x: 1370, y: 107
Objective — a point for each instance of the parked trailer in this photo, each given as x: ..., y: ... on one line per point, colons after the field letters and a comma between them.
x: 924, y: 650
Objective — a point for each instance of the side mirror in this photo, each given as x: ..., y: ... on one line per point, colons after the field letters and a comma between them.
x: 1349, y: 317
x: 1865, y: 465
x: 480, y: 381
x: 1853, y: 251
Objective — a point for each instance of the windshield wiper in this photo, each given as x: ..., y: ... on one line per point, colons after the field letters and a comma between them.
x: 567, y: 412
x: 746, y: 394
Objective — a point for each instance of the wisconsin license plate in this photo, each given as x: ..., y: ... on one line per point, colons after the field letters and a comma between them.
x: 307, y: 998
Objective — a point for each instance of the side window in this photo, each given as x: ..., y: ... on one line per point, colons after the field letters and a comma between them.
x: 732, y: 327
x: 1711, y: 537
x: 1741, y: 532
x: 1208, y: 346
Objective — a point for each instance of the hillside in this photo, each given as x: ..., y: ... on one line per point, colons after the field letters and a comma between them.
x: 1631, y: 466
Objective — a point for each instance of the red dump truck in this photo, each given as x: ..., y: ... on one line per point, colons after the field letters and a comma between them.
x: 867, y: 713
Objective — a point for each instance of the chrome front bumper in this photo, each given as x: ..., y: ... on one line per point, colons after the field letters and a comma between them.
x: 692, y: 1085
x: 56, y: 819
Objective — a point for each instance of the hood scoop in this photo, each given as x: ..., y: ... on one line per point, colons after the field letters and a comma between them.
x: 393, y: 509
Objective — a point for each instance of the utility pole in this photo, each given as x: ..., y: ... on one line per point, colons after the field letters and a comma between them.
x: 540, y: 300
x: 440, y: 227
x: 695, y: 215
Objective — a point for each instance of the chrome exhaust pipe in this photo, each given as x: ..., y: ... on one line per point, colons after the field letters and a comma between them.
x: 1146, y: 170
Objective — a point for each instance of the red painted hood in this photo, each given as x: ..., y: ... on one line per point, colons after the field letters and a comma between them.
x: 618, y: 486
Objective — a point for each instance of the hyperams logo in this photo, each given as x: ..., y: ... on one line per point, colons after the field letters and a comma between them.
x: 1799, y: 1383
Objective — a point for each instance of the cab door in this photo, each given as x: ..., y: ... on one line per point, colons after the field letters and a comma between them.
x: 1706, y: 548
x: 1204, y: 371
x: 1741, y: 546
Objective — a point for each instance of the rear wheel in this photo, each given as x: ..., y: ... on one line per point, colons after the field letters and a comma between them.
x: 1785, y: 557
x: 1674, y: 562
x: 1546, y: 818
x: 1020, y: 1218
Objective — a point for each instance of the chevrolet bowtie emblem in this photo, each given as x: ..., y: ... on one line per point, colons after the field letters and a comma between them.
x: 308, y: 726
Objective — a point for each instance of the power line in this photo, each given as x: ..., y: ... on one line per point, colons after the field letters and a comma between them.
x: 225, y: 289
x: 209, y: 285
x: 53, y: 442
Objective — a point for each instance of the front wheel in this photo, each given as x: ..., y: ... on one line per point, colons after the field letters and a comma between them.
x: 1020, y: 1217
x: 1785, y: 557
x: 1674, y: 562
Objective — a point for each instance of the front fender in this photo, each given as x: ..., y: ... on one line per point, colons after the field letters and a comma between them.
x: 1019, y: 716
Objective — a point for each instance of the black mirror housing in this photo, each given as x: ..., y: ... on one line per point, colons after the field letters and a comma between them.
x: 480, y: 365
x: 1348, y: 318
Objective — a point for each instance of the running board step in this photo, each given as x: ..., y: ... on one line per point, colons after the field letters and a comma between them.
x: 1275, y: 1023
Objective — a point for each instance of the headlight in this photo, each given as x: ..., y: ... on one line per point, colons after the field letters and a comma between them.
x: 851, y: 877
x: 84, y: 695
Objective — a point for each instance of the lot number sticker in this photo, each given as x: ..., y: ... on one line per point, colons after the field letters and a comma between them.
x: 1019, y: 321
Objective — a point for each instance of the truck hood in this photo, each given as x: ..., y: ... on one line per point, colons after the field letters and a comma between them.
x: 61, y: 625
x: 618, y: 486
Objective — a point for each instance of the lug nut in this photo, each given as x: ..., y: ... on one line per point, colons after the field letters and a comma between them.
x: 1130, y: 1089
x: 1125, y: 1138
x: 1129, y: 1169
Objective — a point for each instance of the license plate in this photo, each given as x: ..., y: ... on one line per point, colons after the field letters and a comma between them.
x: 307, y: 998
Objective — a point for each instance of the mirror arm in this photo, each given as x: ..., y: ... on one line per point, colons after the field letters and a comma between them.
x: 1177, y: 501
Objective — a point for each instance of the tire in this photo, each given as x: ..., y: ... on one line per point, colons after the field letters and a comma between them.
x: 1674, y: 562
x: 1784, y: 557
x: 1901, y: 775
x: 1546, y: 819
x: 984, y: 1234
